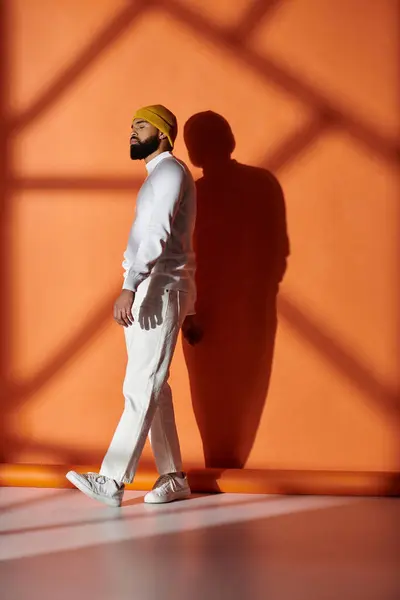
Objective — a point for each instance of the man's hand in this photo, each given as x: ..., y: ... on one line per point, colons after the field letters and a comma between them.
x: 123, y: 308
x: 192, y: 332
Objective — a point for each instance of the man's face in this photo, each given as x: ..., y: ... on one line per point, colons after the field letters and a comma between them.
x: 144, y: 140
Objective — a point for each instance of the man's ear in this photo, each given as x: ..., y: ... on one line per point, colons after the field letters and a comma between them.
x: 161, y: 136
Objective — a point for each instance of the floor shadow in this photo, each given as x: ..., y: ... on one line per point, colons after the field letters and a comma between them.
x: 241, y: 247
x: 133, y: 501
x: 139, y: 500
x: 24, y: 502
x: 112, y: 514
x: 341, y: 551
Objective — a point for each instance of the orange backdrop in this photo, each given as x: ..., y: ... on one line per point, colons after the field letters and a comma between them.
x: 310, y: 91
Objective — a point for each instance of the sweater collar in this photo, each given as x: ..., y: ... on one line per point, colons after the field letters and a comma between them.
x: 150, y: 166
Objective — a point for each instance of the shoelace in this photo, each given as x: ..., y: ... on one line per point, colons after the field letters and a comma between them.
x: 100, y: 479
x: 164, y: 482
x: 96, y: 478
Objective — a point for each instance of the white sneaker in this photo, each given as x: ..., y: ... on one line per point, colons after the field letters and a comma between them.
x: 98, y: 487
x: 168, y: 488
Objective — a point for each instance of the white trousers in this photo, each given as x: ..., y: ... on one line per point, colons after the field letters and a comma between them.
x: 150, y: 342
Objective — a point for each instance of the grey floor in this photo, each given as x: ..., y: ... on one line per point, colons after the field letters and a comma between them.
x: 58, y: 545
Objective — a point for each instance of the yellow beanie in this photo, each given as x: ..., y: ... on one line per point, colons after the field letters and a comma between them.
x: 160, y: 117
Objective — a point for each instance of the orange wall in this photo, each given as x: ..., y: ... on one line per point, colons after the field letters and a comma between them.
x: 309, y: 89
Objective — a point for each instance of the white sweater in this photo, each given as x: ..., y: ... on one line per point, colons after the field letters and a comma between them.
x: 160, y: 241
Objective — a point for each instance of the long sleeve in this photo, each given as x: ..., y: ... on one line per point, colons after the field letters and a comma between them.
x: 152, y: 227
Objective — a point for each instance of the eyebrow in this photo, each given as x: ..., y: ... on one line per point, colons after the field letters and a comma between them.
x: 139, y: 122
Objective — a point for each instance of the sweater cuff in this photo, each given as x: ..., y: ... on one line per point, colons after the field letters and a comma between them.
x: 132, y: 282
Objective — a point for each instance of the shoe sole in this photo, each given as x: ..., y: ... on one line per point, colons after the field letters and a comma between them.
x: 178, y: 496
x: 78, y: 483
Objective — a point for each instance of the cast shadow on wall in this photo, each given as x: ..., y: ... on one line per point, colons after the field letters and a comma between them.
x: 242, y: 245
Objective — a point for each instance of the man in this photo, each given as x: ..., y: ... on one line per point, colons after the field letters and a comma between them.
x: 158, y: 293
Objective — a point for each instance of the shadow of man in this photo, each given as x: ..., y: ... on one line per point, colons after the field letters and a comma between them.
x: 241, y: 246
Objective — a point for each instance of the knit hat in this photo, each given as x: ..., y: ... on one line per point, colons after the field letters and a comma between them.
x: 160, y: 117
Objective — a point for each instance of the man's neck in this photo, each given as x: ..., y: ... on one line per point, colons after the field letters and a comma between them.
x: 154, y: 155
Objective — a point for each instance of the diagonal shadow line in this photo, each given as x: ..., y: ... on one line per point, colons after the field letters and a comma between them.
x: 339, y: 357
x: 272, y: 72
x: 77, y: 183
x: 255, y: 15
x: 20, y: 393
x: 16, y: 505
x: 121, y: 22
x: 184, y: 508
x: 297, y: 143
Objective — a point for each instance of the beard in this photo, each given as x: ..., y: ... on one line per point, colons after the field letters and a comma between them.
x: 142, y: 150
